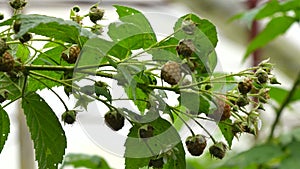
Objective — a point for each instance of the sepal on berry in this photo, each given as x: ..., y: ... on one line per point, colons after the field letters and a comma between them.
x: 218, y: 150
x: 196, y: 144
x: 114, y: 120
x: 69, y: 117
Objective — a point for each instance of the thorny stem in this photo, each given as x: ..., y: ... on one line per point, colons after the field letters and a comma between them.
x: 283, y: 105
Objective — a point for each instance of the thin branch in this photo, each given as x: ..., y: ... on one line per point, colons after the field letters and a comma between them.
x: 283, y: 105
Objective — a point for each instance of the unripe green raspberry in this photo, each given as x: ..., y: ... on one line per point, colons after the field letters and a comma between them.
x: 218, y: 150
x: 96, y: 14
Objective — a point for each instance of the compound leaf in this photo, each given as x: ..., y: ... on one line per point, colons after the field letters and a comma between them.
x: 46, y: 131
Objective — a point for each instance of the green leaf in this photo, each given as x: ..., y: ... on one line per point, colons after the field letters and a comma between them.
x: 22, y: 52
x: 204, y: 39
x: 274, y: 28
x: 57, y: 28
x: 166, y: 138
x: 194, y: 102
x: 205, y: 29
x: 84, y: 160
x: 134, y: 31
x: 291, y: 161
x: 227, y: 131
x: 279, y: 94
x: 11, y: 86
x: 46, y: 131
x: 256, y: 155
x: 50, y: 57
x: 165, y: 51
x: 4, y: 127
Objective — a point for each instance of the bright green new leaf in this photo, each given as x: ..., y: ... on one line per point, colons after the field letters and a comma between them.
x: 166, y: 139
x: 274, y: 28
x: 226, y: 130
x: 84, y: 160
x: 46, y: 131
x: 4, y: 127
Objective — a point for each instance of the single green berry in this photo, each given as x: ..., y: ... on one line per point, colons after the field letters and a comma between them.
x: 196, y: 144
x: 185, y: 48
x: 262, y: 76
x: 96, y: 14
x: 17, y: 4
x: 242, y: 101
x: 218, y: 150
x: 146, y: 131
x: 114, y: 120
x: 245, y: 86
x: 69, y: 116
x: 156, y: 163
x: 171, y: 72
x: 25, y: 38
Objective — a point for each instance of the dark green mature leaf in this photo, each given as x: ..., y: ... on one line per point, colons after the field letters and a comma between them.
x: 46, y: 132
x: 134, y: 31
x: 57, y: 28
x: 227, y: 131
x: 274, y: 28
x: 291, y: 161
x: 84, y: 160
x: 138, y: 155
x: 4, y: 127
x: 256, y: 155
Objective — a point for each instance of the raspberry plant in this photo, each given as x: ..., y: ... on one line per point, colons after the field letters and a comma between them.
x: 182, y: 63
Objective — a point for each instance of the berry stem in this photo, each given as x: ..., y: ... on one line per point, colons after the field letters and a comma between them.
x: 185, y: 123
x: 62, y: 101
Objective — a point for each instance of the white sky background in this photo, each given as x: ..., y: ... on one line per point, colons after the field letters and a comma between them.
x: 229, y: 54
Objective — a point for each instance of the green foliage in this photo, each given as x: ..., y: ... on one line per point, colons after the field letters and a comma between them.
x: 4, y: 127
x: 134, y: 32
x: 274, y: 28
x: 83, y: 160
x: 227, y: 131
x: 166, y: 143
x: 46, y: 132
x: 133, y: 58
x: 279, y: 94
x: 281, y: 14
